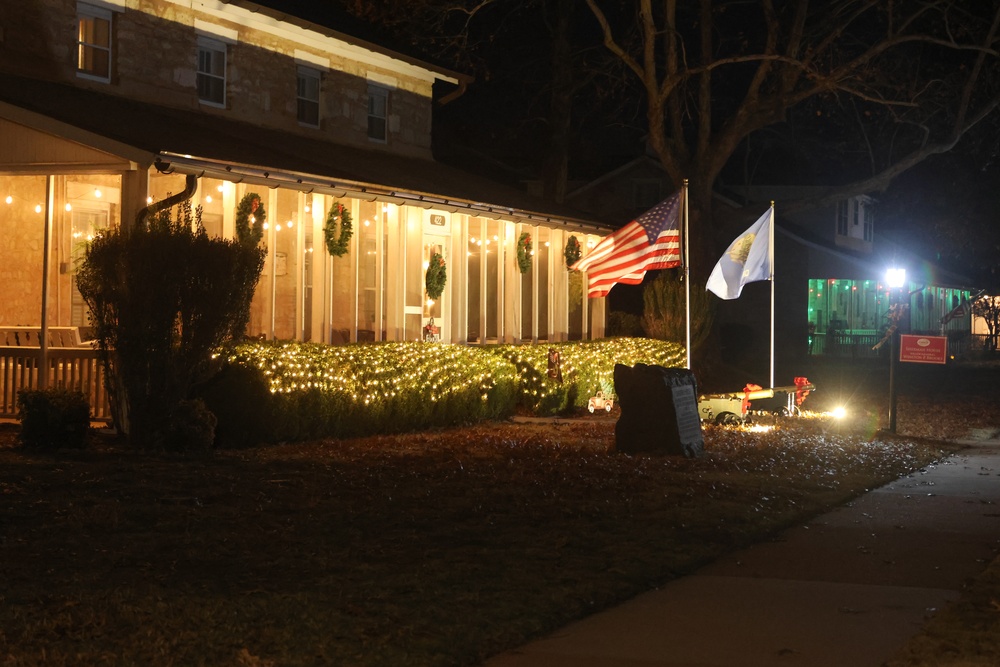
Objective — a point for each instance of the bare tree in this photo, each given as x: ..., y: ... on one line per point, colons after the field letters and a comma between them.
x: 902, y: 80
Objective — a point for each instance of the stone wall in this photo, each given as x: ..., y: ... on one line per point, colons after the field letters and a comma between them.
x: 155, y: 58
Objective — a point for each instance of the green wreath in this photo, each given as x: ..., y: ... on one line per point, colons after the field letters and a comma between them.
x: 337, y: 240
x: 436, y: 276
x: 572, y: 252
x: 524, y: 252
x: 246, y: 231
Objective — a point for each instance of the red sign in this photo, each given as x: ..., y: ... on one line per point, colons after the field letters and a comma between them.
x: 923, y: 349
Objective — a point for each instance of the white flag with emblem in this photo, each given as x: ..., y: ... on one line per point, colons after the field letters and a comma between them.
x: 746, y: 260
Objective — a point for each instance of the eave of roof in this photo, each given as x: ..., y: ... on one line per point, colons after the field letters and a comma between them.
x: 193, y: 141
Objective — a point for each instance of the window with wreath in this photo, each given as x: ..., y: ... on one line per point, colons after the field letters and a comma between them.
x: 93, y: 42
x: 211, y: 76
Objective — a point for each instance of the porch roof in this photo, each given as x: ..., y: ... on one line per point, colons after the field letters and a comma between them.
x: 208, y: 144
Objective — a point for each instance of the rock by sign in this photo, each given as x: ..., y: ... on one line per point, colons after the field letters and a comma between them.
x: 923, y: 349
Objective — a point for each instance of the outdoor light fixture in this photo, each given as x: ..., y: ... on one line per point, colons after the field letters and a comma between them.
x: 895, y: 277
x: 838, y: 413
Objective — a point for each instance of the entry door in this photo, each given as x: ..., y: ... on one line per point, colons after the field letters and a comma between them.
x: 436, y: 312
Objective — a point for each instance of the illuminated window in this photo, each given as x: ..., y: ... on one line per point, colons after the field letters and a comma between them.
x: 307, y: 96
x: 211, y: 71
x: 378, y: 113
x: 93, y: 37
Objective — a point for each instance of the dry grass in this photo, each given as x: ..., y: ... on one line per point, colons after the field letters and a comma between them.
x: 437, y: 548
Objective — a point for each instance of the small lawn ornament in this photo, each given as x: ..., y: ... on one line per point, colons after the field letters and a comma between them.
x: 432, y: 334
x: 600, y: 402
x: 555, y: 365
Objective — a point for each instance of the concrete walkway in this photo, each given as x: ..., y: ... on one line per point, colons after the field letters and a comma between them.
x: 846, y: 590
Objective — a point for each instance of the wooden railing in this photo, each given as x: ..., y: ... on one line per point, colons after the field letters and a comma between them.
x: 74, y: 368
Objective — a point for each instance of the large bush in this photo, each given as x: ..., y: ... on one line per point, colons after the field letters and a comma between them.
x: 664, y: 308
x: 164, y: 297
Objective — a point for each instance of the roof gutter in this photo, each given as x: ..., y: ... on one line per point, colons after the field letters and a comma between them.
x: 240, y: 173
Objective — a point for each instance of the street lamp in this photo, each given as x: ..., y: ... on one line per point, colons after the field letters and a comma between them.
x: 895, y: 278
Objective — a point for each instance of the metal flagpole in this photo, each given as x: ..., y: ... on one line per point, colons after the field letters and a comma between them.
x: 770, y: 261
x: 687, y: 278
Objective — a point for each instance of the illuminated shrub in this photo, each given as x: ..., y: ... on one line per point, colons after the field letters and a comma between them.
x: 341, y: 391
x: 294, y: 391
x: 586, y: 366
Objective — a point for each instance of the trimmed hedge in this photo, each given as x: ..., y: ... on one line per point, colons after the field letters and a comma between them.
x: 294, y: 391
x: 273, y: 392
x: 587, y: 367
x: 53, y: 419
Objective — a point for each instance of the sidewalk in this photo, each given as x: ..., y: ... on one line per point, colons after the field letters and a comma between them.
x: 845, y: 590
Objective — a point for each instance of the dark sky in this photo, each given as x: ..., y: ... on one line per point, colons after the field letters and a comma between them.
x: 948, y: 205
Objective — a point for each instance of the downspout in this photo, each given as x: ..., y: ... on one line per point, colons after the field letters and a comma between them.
x: 190, y: 185
x: 463, y: 86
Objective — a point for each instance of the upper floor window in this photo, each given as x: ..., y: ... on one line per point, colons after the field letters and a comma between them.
x: 378, y: 113
x: 869, y: 220
x: 842, y: 211
x: 307, y: 96
x: 211, y: 71
x: 93, y: 42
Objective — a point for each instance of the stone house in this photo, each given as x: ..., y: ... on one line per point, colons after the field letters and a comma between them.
x: 108, y: 106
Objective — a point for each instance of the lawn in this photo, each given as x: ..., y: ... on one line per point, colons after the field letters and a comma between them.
x: 437, y: 548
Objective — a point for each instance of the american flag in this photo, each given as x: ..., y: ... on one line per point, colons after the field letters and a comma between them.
x: 650, y: 242
x: 962, y: 309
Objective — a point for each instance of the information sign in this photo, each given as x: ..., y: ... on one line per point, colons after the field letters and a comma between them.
x: 923, y: 349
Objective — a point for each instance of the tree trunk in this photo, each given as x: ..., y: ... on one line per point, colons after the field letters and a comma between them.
x: 561, y: 103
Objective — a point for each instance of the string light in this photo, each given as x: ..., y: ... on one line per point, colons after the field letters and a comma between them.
x: 379, y: 375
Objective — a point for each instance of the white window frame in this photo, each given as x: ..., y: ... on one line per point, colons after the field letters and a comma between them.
x: 302, y: 72
x: 869, y: 222
x: 212, y: 46
x: 375, y: 93
x: 89, y: 12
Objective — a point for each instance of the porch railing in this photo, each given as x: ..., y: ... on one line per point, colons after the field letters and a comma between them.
x: 76, y: 369
x: 859, y: 345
